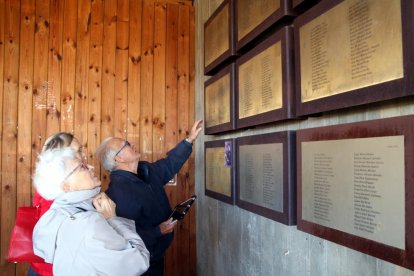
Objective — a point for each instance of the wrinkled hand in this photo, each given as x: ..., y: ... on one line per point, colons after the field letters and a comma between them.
x: 167, y: 226
x: 104, y: 205
x: 195, y: 130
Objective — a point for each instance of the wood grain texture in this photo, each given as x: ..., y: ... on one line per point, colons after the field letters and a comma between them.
x: 147, y: 80
x: 95, y: 69
x: 54, y: 66
x: 134, y: 72
x: 121, y: 67
x: 41, y: 45
x: 24, y: 149
x: 171, y: 112
x: 158, y: 120
x: 68, y: 66
x: 9, y: 143
x: 82, y: 69
x: 95, y: 82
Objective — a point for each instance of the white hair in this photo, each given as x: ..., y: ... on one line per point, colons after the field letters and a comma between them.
x: 51, y: 170
x: 106, y: 155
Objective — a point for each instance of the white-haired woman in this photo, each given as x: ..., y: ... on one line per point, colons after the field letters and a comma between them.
x: 80, y: 234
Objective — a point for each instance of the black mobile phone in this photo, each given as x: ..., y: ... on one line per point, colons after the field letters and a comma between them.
x: 182, y: 209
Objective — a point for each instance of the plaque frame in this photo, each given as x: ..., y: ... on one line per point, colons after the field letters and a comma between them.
x: 285, y: 10
x: 230, y: 69
x: 288, y: 139
x: 302, y: 5
x: 376, y: 128
x: 221, y: 197
x: 285, y: 35
x: 230, y: 53
x: 360, y: 96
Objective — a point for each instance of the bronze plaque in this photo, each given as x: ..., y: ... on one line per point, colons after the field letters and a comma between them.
x: 217, y: 102
x: 260, y: 83
x: 356, y: 186
x: 219, y: 170
x: 216, y: 36
x: 355, y: 44
x: 251, y: 13
x: 218, y: 174
x: 261, y: 175
x: 265, y: 175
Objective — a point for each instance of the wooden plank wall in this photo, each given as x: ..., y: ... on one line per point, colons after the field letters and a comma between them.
x: 96, y: 68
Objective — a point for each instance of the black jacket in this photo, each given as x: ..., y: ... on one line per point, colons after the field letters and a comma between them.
x: 142, y: 197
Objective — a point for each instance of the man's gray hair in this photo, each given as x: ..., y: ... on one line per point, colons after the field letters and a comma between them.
x: 51, y: 170
x: 106, y: 155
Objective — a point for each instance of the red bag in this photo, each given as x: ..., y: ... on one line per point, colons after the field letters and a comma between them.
x: 21, y: 244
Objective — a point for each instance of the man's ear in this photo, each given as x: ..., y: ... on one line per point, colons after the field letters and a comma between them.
x: 118, y: 159
x: 66, y: 187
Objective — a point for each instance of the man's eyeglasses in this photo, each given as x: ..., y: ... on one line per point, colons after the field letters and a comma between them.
x: 81, y: 165
x: 126, y: 144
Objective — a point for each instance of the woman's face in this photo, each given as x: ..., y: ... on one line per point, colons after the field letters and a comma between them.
x: 77, y: 147
x: 80, y: 177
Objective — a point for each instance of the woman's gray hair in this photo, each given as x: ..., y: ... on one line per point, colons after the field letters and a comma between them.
x: 106, y: 155
x: 51, y: 170
x: 58, y: 140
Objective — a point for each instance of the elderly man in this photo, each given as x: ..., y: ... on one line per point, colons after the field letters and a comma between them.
x: 80, y: 234
x: 137, y: 188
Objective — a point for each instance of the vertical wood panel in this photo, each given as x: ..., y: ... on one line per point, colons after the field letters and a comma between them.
x: 68, y: 65
x: 82, y: 69
x: 134, y: 72
x: 183, y: 128
x: 9, y: 143
x: 2, y: 42
x: 55, y: 64
x: 171, y: 262
x: 147, y: 80
x: 191, y: 162
x: 95, y: 81
x: 158, y: 110
x: 27, y: 20
x: 41, y: 50
x: 121, y: 77
x: 108, y: 76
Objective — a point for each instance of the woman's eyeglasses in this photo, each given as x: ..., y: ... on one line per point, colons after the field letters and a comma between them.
x: 81, y: 165
x: 126, y: 144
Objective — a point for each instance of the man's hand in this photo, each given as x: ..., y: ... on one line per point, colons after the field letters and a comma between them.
x: 195, y: 130
x: 167, y: 226
x: 104, y: 205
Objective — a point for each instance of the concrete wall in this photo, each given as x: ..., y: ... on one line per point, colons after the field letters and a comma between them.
x: 232, y: 241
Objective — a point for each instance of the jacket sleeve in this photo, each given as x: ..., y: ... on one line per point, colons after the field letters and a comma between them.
x: 167, y: 167
x: 149, y: 233
x: 116, y: 247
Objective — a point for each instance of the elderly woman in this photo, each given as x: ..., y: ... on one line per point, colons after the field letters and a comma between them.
x: 80, y: 234
x: 56, y: 141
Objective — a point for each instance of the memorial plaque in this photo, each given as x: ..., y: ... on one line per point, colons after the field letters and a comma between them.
x: 264, y: 81
x: 219, y: 101
x: 356, y: 186
x: 265, y: 175
x: 254, y: 17
x: 219, y: 45
x: 345, y: 58
x: 219, y: 172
